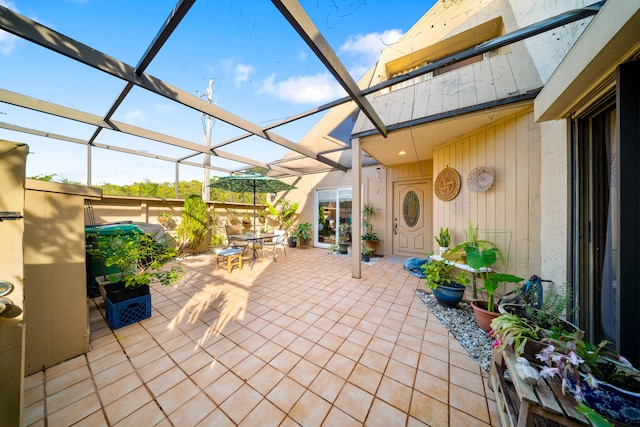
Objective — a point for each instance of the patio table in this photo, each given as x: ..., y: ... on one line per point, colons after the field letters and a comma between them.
x: 255, y: 238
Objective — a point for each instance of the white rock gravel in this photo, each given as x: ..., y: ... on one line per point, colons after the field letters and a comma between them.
x: 462, y: 325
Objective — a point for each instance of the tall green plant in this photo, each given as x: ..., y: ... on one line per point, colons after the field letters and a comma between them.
x: 285, y: 213
x: 194, y: 225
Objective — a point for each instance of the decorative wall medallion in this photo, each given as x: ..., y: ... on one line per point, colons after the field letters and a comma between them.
x: 447, y: 185
x: 480, y: 179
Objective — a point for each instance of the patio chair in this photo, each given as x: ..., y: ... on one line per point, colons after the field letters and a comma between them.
x: 273, y: 244
x: 235, y: 243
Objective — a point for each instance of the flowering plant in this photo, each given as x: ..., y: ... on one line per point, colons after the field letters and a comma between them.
x: 571, y: 355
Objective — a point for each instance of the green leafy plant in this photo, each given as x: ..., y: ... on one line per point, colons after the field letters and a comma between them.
x: 439, y: 272
x: 194, y: 225
x: 512, y: 330
x: 138, y: 258
x: 334, y: 247
x: 481, y: 260
x: 369, y: 211
x: 302, y: 233
x: 444, y: 238
x: 217, y: 239
x: 365, y: 250
x: 285, y: 214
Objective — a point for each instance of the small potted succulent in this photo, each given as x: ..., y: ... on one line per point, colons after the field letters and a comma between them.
x: 443, y: 240
x: 448, y: 287
x: 366, y: 253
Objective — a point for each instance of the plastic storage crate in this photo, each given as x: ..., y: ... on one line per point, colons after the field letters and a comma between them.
x: 127, y: 312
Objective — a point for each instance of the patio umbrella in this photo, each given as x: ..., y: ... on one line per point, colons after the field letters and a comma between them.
x: 251, y: 183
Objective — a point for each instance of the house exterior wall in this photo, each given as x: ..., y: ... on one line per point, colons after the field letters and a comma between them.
x: 511, y: 148
x: 12, y: 170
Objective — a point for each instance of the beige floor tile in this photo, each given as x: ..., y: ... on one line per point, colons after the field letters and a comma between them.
x: 75, y: 412
x: 95, y: 419
x: 216, y: 418
x: 401, y: 372
x: 193, y: 411
x: 394, y: 393
x: 340, y: 366
x: 156, y: 368
x: 67, y: 378
x: 265, y: 379
x: 354, y: 401
x: 434, y: 366
x: 285, y: 394
x: 149, y: 414
x: 172, y: 399
x: 285, y: 361
x: 336, y: 417
x: 465, y: 379
x: 127, y: 404
x: 383, y: 415
x: 70, y: 395
x: 310, y: 410
x: 432, y: 386
x: 224, y: 387
x: 166, y: 380
x: 304, y: 372
x: 469, y: 402
x: 241, y: 403
x: 428, y: 410
x: 264, y: 414
x: 459, y: 418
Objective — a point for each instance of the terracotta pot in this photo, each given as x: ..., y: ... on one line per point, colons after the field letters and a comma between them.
x: 483, y: 317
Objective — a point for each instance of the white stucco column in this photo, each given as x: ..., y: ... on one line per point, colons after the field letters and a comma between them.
x: 555, y: 199
x: 356, y: 202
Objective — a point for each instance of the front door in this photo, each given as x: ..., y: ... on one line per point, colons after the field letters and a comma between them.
x: 412, y: 234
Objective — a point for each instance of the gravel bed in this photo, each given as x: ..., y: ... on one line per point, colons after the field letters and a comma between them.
x: 461, y: 324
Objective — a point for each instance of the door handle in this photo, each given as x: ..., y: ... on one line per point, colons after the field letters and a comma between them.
x: 395, y: 226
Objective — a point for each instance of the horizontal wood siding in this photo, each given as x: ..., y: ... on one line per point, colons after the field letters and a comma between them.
x: 511, y: 148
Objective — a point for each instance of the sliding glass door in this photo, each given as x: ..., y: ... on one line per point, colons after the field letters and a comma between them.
x: 333, y: 216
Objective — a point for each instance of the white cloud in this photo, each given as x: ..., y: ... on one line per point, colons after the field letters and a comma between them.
x: 368, y: 46
x: 316, y: 89
x: 242, y: 74
x: 7, y: 41
x: 136, y: 116
x: 164, y: 108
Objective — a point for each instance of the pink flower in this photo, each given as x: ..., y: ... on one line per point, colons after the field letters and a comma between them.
x: 496, y: 343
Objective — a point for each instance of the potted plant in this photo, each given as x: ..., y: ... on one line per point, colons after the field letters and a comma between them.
x: 443, y: 240
x: 345, y: 237
x: 448, y: 288
x: 285, y: 214
x: 333, y: 248
x: 302, y: 233
x: 481, y: 260
x: 366, y: 253
x: 370, y: 238
x: 139, y: 260
x: 595, y: 374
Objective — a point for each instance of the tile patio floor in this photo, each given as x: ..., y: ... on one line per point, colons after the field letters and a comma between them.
x: 297, y: 342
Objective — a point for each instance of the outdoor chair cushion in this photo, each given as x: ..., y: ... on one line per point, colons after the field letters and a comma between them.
x: 414, y: 266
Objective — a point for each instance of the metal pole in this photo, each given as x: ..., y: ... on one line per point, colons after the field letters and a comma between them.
x: 206, y: 191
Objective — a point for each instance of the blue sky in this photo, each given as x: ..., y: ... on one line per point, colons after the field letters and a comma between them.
x: 263, y: 72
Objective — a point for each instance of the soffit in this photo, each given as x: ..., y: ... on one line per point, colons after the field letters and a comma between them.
x: 419, y: 141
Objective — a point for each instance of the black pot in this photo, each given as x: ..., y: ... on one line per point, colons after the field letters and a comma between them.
x: 118, y: 292
x: 291, y: 242
x: 366, y: 257
x: 449, y: 295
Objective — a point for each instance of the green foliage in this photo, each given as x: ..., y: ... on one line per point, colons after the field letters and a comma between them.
x: 439, y: 272
x: 138, y: 257
x: 480, y: 260
x: 52, y: 178
x: 510, y: 329
x: 333, y: 247
x: 369, y: 211
x: 194, y: 225
x: 554, y: 305
x: 302, y: 233
x: 595, y: 418
x: 285, y: 213
x: 217, y: 239
x: 366, y: 251
x: 444, y: 239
